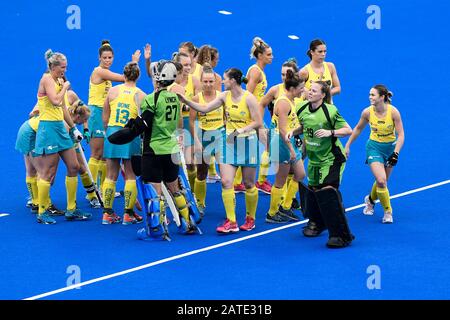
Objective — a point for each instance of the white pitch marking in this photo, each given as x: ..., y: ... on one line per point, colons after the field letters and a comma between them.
x: 219, y: 245
x: 225, y: 12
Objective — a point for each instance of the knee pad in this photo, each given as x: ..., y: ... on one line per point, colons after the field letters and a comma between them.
x: 311, y: 211
x: 333, y: 213
x: 155, y: 222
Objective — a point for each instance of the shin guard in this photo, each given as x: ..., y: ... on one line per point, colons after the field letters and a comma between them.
x: 333, y: 213
x: 311, y: 211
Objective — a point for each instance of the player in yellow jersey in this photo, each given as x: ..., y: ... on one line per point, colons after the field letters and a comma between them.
x: 210, y: 55
x: 286, y: 153
x: 192, y: 51
x: 53, y: 140
x: 121, y: 104
x: 241, y: 148
x: 99, y: 84
x: 25, y: 142
x: 257, y: 85
x: 319, y: 70
x: 191, y: 87
x: 208, y: 139
x: 382, y: 148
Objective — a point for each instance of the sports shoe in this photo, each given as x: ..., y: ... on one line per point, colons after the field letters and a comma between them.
x: 387, y: 218
x: 239, y: 188
x: 110, y: 218
x: 29, y: 202
x: 228, y: 227
x: 264, y: 187
x: 213, y: 179
x: 95, y: 203
x: 289, y: 214
x: 77, y: 215
x: 54, y: 211
x: 118, y: 194
x: 312, y: 229
x: 369, y: 206
x: 276, y: 218
x: 129, y: 217
x: 34, y: 208
x: 45, y: 218
x: 249, y: 224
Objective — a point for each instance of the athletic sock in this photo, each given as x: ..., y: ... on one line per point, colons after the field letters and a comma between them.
x: 32, y: 189
x: 290, y: 194
x: 43, y: 195
x: 109, y: 190
x: 192, y: 174
x: 181, y: 204
x: 275, y: 199
x: 88, y: 185
x: 251, y: 201
x: 264, y: 167
x: 383, y: 195
x: 373, y: 192
x: 200, y: 191
x: 93, y: 167
x: 102, y: 172
x: 229, y: 202
x: 130, y: 194
x: 212, y: 166
x: 71, y: 191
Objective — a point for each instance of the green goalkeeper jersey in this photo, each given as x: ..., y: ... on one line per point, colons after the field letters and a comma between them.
x: 162, y: 139
x: 321, y: 151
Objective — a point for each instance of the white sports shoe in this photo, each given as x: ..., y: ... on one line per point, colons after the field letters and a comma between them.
x: 369, y: 206
x: 387, y: 218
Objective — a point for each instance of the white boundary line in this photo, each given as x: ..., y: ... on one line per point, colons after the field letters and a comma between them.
x: 223, y: 244
x: 4, y: 214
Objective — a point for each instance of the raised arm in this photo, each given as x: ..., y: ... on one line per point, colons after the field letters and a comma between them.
x: 55, y: 98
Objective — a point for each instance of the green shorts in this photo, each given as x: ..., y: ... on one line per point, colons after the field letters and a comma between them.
x: 95, y: 122
x: 325, y: 175
x: 379, y: 151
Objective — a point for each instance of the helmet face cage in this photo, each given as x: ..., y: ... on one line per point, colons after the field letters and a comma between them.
x: 163, y: 71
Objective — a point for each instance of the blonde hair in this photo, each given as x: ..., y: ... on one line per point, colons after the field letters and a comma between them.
x: 54, y: 58
x: 259, y: 46
x: 78, y: 108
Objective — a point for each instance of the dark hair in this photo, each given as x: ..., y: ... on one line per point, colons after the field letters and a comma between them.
x: 291, y: 63
x: 292, y: 80
x: 131, y: 71
x: 190, y: 46
x: 259, y: 46
x: 313, y: 46
x: 325, y: 88
x: 106, y: 46
x: 236, y: 74
x: 207, y: 54
x: 383, y: 91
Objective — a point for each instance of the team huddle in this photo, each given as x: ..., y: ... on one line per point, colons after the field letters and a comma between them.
x: 168, y: 144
